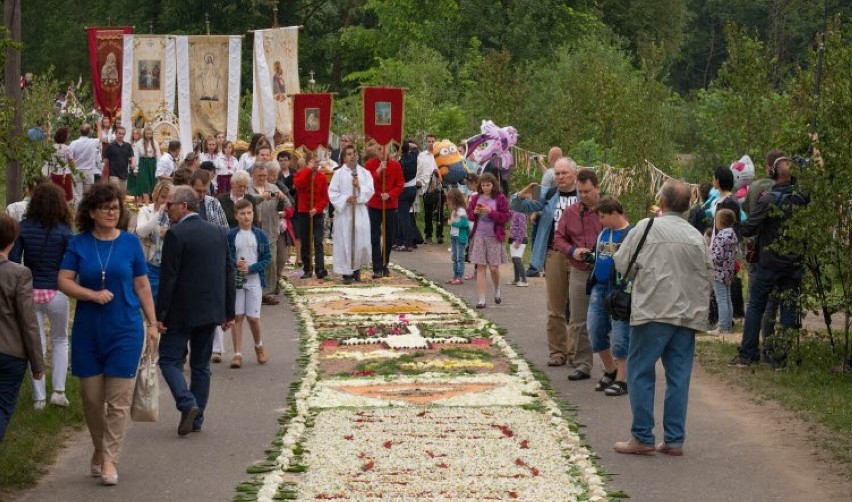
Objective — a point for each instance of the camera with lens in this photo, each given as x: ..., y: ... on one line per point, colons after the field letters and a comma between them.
x: 588, y: 258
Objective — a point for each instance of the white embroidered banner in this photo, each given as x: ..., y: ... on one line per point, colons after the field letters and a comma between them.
x: 208, y: 86
x: 148, y: 78
x: 276, y: 74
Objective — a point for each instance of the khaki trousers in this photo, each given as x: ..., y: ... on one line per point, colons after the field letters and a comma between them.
x: 282, y: 255
x: 579, y: 347
x: 556, y: 278
x: 106, y: 406
x: 120, y: 183
x: 272, y: 270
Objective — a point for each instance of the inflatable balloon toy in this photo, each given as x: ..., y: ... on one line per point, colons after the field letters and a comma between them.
x: 495, y: 142
x: 743, y: 170
x: 451, y: 167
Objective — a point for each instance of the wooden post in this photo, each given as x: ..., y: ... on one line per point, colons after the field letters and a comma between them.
x: 356, y: 190
x: 310, y: 263
x: 12, y: 76
x: 384, y: 211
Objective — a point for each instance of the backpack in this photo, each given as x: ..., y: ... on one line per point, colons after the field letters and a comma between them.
x: 433, y: 189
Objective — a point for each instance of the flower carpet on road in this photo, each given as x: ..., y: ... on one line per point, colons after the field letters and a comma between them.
x: 407, y: 394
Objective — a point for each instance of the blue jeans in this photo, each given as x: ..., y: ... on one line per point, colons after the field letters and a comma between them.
x: 603, y: 331
x: 675, y: 345
x: 173, y: 348
x: 11, y: 375
x: 457, y: 257
x: 726, y: 308
x: 766, y: 282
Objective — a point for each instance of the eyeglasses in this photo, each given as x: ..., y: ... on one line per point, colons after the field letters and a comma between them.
x: 109, y: 209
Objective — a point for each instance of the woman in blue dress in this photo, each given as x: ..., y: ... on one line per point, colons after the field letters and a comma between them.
x: 104, y: 270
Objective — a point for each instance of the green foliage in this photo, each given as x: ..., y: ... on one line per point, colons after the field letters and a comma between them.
x: 824, y: 229
x: 639, y: 22
x: 591, y: 91
x: 34, y: 438
x: 39, y: 110
x: 430, y: 88
x: 494, y: 87
x: 741, y: 113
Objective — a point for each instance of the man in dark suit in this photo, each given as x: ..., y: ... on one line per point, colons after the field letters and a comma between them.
x: 197, y: 293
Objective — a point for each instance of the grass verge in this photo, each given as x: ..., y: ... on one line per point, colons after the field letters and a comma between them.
x: 809, y: 389
x: 34, y: 438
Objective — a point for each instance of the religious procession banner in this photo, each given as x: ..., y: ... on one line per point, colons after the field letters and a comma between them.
x: 276, y: 79
x: 384, y: 114
x: 106, y: 56
x: 311, y: 120
x: 208, y: 79
x: 148, y: 79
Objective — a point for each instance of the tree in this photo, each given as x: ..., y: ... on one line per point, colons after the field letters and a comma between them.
x: 14, y: 131
x: 741, y: 112
x: 823, y: 230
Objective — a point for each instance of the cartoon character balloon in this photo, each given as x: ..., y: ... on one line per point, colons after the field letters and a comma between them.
x: 497, y: 140
x: 450, y: 164
x: 743, y: 170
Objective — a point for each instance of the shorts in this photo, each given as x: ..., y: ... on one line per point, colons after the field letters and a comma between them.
x: 248, y: 300
x: 604, y: 332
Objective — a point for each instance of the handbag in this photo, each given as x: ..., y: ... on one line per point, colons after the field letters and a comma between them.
x: 146, y: 395
x: 617, y: 303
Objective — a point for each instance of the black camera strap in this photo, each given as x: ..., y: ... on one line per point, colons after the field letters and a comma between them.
x: 638, y: 248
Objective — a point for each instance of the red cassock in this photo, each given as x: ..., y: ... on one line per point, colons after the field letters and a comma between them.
x: 393, y: 183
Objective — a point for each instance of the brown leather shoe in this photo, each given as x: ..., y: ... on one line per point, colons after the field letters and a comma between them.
x: 668, y: 450
x: 633, y: 447
x: 270, y: 300
x: 261, y: 354
x: 237, y: 362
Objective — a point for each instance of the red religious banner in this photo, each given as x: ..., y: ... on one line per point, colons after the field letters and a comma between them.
x: 106, y: 51
x: 311, y: 120
x: 384, y: 114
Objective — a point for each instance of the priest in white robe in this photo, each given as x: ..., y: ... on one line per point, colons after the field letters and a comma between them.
x: 349, y: 197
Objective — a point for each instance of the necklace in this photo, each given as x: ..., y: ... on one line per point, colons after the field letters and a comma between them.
x: 100, y: 262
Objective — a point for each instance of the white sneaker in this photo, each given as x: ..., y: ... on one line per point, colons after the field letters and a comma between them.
x: 59, y: 399
x: 39, y: 405
x: 523, y: 284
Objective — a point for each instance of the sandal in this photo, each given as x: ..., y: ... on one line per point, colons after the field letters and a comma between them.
x: 605, y: 382
x: 616, y: 389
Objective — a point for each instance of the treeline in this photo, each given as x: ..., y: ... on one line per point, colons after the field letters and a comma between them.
x: 616, y: 81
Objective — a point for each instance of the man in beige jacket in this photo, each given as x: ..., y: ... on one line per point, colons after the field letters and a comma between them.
x: 670, y: 302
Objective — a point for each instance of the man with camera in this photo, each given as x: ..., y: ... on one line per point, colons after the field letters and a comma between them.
x: 270, y: 200
x: 548, y: 180
x: 779, y: 273
x: 575, y: 237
